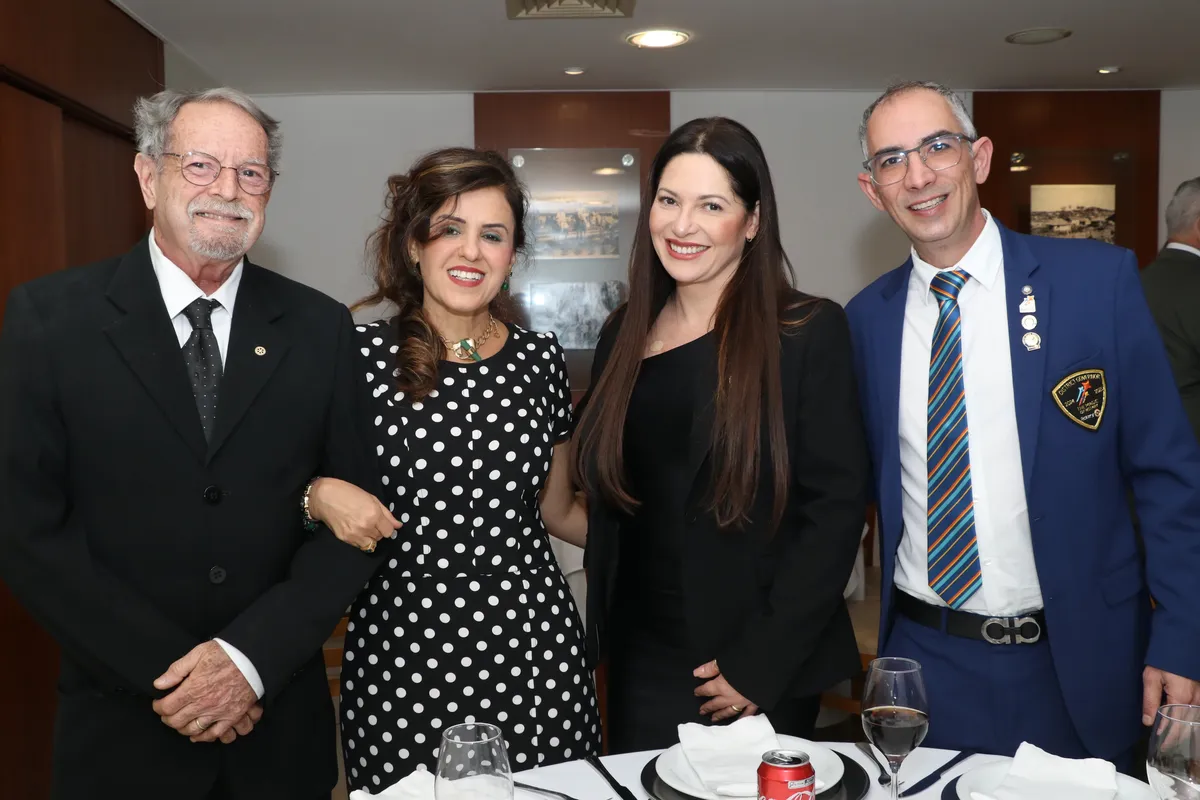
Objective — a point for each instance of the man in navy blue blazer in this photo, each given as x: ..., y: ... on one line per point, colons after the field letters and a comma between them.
x: 1016, y: 394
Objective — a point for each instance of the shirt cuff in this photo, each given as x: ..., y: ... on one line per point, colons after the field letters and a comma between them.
x: 242, y: 663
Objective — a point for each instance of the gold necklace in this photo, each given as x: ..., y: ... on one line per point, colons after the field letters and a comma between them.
x: 468, y: 349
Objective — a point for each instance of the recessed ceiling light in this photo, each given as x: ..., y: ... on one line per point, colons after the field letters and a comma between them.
x: 574, y: 70
x: 1038, y: 36
x: 657, y: 38
x: 1020, y: 168
x: 608, y: 171
x: 1109, y: 70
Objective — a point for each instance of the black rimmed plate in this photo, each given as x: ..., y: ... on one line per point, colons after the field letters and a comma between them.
x: 854, y: 784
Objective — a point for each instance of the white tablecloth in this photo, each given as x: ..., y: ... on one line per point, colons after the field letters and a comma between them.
x: 580, y: 780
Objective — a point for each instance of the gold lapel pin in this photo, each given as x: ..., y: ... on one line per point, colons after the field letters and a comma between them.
x: 260, y: 351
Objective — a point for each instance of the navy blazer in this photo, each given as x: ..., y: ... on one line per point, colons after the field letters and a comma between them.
x: 1095, y: 574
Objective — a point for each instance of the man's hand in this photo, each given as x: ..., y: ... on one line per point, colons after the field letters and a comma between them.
x: 1177, y: 688
x: 212, y: 698
x: 725, y: 701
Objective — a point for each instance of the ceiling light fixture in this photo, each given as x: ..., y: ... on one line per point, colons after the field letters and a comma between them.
x: 608, y: 171
x: 1038, y: 36
x: 657, y: 38
x: 574, y: 70
x: 1109, y: 70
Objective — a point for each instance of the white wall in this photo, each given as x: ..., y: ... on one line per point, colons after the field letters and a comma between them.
x: 338, y: 151
x: 837, y: 241
x: 1179, y: 146
x: 183, y: 74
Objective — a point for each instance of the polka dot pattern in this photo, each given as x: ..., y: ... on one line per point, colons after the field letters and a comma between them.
x: 473, y: 620
x: 202, y: 355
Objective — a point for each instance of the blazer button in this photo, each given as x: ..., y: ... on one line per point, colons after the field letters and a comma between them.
x: 216, y: 575
x: 212, y: 494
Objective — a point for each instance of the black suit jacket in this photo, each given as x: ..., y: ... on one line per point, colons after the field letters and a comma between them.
x: 1172, y: 286
x: 132, y: 540
x: 768, y: 607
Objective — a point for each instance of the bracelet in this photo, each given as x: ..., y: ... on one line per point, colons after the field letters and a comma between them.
x: 310, y: 524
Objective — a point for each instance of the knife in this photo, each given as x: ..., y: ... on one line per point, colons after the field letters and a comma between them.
x: 935, y: 776
x: 622, y: 791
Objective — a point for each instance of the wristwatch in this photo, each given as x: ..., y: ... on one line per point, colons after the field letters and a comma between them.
x: 310, y: 524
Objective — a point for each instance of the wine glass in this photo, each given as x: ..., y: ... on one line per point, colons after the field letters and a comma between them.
x: 895, y: 711
x: 1173, y: 758
x: 473, y: 764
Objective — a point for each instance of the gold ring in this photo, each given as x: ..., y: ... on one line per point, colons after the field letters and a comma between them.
x: 734, y: 709
x: 200, y: 725
x: 369, y: 548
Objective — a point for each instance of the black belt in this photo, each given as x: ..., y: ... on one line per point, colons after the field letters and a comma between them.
x: 1024, y: 629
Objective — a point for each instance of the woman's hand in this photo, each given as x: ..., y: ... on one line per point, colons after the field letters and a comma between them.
x: 356, y: 517
x: 725, y: 702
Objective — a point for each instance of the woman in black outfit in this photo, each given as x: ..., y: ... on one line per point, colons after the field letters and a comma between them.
x: 722, y: 451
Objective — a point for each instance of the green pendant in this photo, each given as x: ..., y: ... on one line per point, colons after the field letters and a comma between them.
x: 466, y: 349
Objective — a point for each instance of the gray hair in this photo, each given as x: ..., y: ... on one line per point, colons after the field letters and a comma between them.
x: 956, y: 106
x: 153, y: 117
x: 1184, y: 208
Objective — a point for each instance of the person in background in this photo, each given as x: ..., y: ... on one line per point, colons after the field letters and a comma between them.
x: 470, y: 418
x: 1172, y: 286
x: 1013, y: 387
x: 724, y: 461
x: 160, y: 415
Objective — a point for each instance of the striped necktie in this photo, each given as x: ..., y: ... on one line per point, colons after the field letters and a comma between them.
x: 953, y: 554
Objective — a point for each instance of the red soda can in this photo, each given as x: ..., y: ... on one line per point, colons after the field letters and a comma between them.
x: 786, y: 775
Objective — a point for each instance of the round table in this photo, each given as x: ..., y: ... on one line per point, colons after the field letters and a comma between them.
x: 578, y: 779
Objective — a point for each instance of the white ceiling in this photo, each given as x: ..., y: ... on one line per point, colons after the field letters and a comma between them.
x: 323, y: 46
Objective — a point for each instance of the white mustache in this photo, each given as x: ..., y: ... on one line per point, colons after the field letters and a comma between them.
x: 216, y: 206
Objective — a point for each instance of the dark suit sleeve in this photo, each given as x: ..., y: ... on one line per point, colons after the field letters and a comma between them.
x: 816, y: 556
x: 100, y: 622
x: 286, y: 627
x: 1161, y: 460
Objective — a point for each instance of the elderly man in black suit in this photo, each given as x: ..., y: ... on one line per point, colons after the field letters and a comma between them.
x: 161, y: 414
x: 1172, y: 285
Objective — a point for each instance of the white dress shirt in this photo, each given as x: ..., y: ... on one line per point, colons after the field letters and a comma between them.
x: 1187, y: 248
x: 178, y: 292
x: 1010, y: 581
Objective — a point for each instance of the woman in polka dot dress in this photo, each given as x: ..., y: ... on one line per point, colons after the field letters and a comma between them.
x: 469, y: 616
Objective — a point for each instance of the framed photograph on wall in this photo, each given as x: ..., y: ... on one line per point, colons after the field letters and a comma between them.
x: 1074, y: 211
x: 582, y: 215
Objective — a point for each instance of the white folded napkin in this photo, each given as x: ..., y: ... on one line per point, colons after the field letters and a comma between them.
x: 1037, y: 775
x: 418, y: 785
x: 726, y: 757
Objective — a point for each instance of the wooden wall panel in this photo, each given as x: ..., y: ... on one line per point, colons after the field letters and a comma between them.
x: 31, y: 207
x: 1075, y: 123
x: 99, y: 170
x: 88, y: 51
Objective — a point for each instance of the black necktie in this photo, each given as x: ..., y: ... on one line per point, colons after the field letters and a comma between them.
x: 203, y: 360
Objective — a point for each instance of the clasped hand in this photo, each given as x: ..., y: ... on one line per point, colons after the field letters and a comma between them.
x: 212, y: 701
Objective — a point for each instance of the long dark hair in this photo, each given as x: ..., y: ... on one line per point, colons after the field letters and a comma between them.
x: 412, y: 200
x: 749, y: 320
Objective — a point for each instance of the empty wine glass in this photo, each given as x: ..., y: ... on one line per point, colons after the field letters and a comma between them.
x: 1173, y: 758
x: 895, y: 711
x: 473, y: 764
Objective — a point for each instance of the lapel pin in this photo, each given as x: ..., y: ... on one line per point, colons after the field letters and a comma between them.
x: 260, y: 351
x: 1026, y: 289
x: 1028, y: 322
x: 1028, y: 305
x: 1032, y: 341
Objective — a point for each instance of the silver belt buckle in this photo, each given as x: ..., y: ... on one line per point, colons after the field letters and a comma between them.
x: 1011, y: 628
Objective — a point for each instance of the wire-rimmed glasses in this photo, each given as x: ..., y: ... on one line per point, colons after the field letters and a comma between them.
x: 201, y: 169
x: 939, y: 153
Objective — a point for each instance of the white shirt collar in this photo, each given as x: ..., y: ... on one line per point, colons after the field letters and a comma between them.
x: 982, y: 262
x: 178, y: 290
x: 1187, y: 248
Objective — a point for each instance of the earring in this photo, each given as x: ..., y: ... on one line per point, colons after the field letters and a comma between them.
x: 504, y: 286
x: 416, y: 270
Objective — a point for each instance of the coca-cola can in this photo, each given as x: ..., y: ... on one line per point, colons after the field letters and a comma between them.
x: 786, y: 775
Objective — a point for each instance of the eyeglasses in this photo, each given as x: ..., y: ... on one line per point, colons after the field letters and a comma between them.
x: 201, y: 169
x: 941, y: 153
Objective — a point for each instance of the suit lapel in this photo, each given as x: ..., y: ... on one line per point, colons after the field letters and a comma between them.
x: 887, y: 387
x: 1021, y: 269
x: 146, y: 340
x: 256, y: 348
x: 702, y: 422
